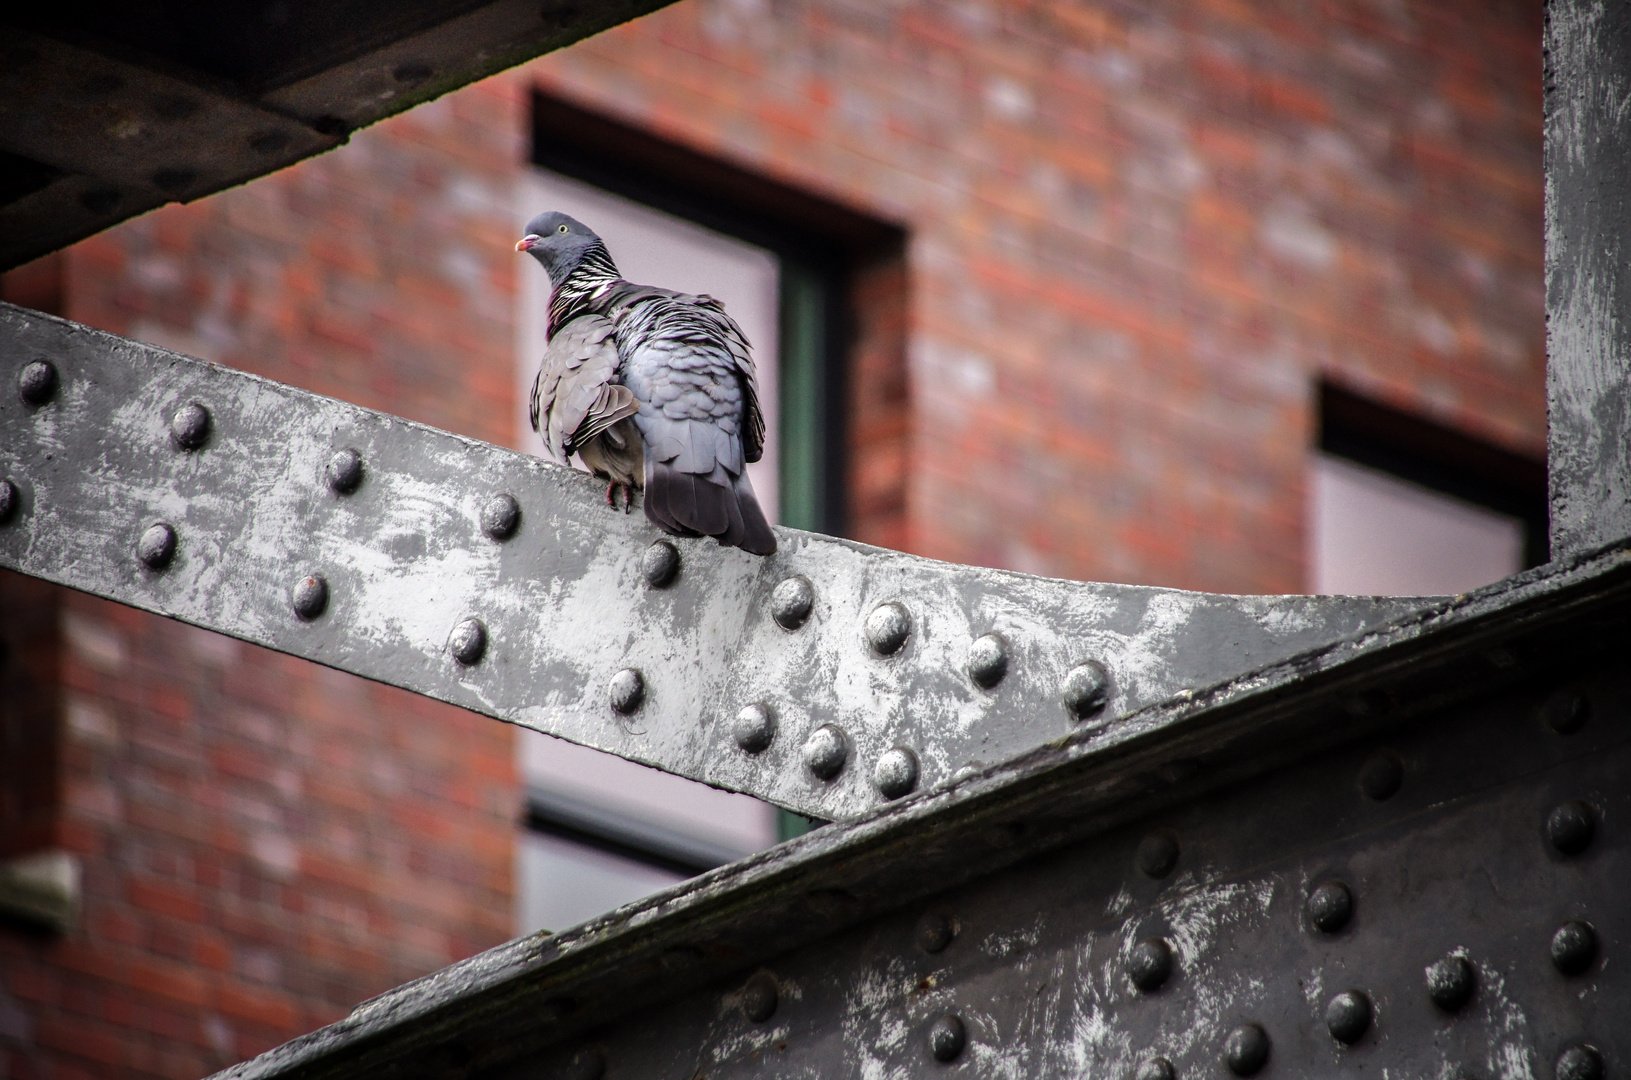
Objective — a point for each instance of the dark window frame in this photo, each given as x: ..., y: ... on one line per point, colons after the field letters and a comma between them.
x: 1438, y: 457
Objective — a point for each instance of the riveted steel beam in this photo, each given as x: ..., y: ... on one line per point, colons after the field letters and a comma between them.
x: 827, y: 679
x: 1588, y: 271
x: 1401, y: 855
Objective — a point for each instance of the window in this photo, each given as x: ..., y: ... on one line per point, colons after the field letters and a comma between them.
x: 1402, y: 506
x: 602, y: 831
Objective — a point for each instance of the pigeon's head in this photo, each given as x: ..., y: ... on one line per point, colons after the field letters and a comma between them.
x: 558, y: 242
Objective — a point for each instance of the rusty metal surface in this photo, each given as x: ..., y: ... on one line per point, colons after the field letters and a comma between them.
x: 109, y: 110
x: 1440, y: 772
x: 1588, y: 271
x: 358, y: 540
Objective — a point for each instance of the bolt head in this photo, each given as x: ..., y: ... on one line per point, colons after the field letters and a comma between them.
x: 157, y: 546
x: 888, y: 627
x: 947, y: 1037
x: 190, y: 426
x: 1571, y: 826
x: 1381, y: 776
x: 468, y: 641
x: 988, y: 660
x: 625, y: 691
x: 759, y: 997
x: 1156, y: 1068
x: 344, y: 471
x: 37, y: 382
x: 309, y: 597
x: 935, y: 930
x: 1330, y: 906
x: 500, y: 517
x: 754, y: 728
x: 1580, y: 1062
x: 896, y: 773
x: 791, y: 601
x: 1149, y: 964
x: 1566, y: 712
x: 1574, y: 947
x: 661, y: 564
x: 1246, y: 1050
x: 1086, y: 689
x: 1157, y: 854
x: 10, y: 500
x: 1450, y: 983
x: 826, y: 751
x: 1348, y: 1016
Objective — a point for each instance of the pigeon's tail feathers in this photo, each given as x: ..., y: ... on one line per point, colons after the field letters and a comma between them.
x: 686, y: 504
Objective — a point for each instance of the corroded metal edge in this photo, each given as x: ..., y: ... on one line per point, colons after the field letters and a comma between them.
x: 368, y: 543
x: 535, y: 993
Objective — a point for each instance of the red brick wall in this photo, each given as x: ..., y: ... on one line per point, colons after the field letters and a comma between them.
x: 1140, y: 234
x: 264, y: 842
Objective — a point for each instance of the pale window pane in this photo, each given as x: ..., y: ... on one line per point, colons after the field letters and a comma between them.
x: 1374, y: 534
x: 563, y: 883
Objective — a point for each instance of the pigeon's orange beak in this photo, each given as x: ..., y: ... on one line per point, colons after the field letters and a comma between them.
x: 526, y: 242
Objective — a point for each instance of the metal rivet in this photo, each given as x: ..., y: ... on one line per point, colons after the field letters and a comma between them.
x: 190, y: 426
x: 1157, y: 854
x: 896, y: 773
x: 1381, y: 776
x: 935, y: 930
x: 1156, y: 1068
x: 157, y: 546
x: 758, y: 997
x: 754, y: 728
x: 1246, y: 1050
x: 10, y: 500
x: 946, y: 1037
x: 1149, y: 964
x: 589, y: 1063
x: 626, y: 691
x: 344, y: 471
x: 661, y: 564
x: 500, y: 517
x: 310, y: 596
x: 1571, y: 826
x: 1566, y: 712
x: 791, y: 601
x: 887, y: 628
x: 37, y: 382
x: 1574, y: 947
x: 826, y: 751
x: 468, y: 642
x: 1450, y: 983
x: 1087, y: 688
x: 1330, y: 906
x: 1348, y: 1016
x: 988, y: 660
x: 1580, y: 1062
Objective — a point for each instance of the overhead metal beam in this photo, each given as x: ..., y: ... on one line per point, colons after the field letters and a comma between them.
x: 109, y: 110
x: 826, y: 679
x: 1588, y: 270
x: 1448, y: 859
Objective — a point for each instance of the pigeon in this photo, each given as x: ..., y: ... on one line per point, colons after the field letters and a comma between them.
x: 652, y: 389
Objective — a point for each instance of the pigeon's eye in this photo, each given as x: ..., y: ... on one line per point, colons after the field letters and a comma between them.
x: 563, y: 228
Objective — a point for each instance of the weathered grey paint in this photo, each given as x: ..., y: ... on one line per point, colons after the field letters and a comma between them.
x: 565, y: 601
x: 1588, y: 270
x: 1259, y: 781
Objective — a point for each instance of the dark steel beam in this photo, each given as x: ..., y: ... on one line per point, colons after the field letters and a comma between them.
x: 1463, y: 777
x: 826, y: 679
x: 1588, y: 270
x: 109, y: 110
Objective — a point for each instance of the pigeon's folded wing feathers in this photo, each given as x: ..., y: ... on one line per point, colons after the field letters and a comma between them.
x: 573, y: 397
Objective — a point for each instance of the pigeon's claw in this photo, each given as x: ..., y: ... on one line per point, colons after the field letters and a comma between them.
x: 611, y: 494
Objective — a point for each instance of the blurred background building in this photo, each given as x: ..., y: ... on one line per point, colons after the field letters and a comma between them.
x: 1234, y: 295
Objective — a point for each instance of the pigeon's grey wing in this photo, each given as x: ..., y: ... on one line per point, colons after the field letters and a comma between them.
x: 736, y: 343
x: 574, y: 398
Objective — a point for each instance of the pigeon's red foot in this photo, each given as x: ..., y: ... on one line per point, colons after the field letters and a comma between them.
x: 628, y: 495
